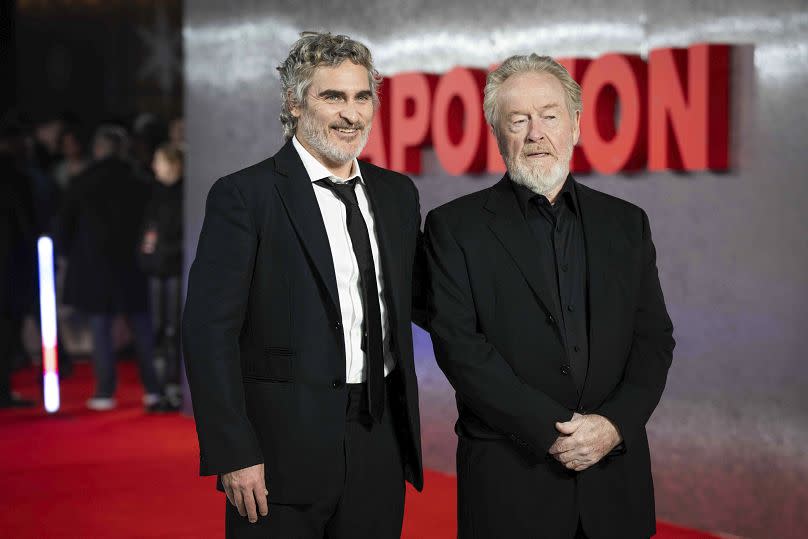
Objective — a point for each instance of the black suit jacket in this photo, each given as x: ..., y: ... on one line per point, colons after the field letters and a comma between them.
x: 100, y: 233
x: 262, y: 331
x: 497, y: 338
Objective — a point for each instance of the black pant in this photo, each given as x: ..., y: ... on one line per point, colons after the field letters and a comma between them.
x: 371, y: 501
x: 165, y: 304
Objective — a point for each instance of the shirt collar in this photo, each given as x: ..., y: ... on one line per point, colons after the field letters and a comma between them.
x: 316, y: 170
x: 567, y: 195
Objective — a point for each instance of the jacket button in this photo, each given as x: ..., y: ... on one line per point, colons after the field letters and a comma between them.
x: 336, y: 384
x: 565, y: 369
x: 550, y: 320
x: 338, y: 325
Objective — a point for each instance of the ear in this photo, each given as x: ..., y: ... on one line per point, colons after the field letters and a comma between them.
x: 576, y: 127
x: 294, y: 106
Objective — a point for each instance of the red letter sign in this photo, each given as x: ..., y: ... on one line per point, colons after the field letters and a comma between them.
x: 410, y: 102
x: 576, y: 68
x: 689, y: 102
x: 458, y: 126
x: 375, y: 150
x: 609, y: 80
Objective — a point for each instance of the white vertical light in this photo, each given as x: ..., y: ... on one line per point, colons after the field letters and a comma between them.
x: 47, y: 309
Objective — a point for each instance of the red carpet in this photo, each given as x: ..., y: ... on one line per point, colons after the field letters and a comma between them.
x: 83, y: 474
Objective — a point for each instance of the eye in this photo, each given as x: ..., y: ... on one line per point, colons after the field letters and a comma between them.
x: 520, y: 121
x: 363, y: 97
x: 332, y: 98
x: 549, y: 117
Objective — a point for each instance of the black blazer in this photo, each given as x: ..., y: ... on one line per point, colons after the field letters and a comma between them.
x: 100, y: 233
x: 497, y: 339
x: 262, y: 331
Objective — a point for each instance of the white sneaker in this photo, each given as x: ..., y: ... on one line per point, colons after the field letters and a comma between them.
x: 101, y: 404
x: 151, y: 399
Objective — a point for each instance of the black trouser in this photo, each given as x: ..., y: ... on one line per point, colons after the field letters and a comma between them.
x: 504, y: 493
x: 165, y: 302
x: 371, y: 501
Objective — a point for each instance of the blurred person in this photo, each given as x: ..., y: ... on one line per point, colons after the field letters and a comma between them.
x: 47, y: 134
x: 297, y: 327
x: 160, y: 257
x: 548, y: 319
x: 100, y: 232
x: 17, y: 255
x: 148, y: 132
x: 44, y: 153
x: 74, y: 160
x: 176, y: 132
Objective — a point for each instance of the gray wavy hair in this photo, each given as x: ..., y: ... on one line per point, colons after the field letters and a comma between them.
x: 523, y: 64
x: 312, y: 50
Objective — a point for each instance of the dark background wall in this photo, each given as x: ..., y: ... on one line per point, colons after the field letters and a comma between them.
x: 730, y: 436
x: 98, y: 61
x: 8, y: 65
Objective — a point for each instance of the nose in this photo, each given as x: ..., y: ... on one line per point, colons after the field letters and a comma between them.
x: 350, y: 113
x: 535, y: 132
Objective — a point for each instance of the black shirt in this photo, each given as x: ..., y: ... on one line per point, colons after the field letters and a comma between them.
x: 163, y: 221
x: 558, y: 231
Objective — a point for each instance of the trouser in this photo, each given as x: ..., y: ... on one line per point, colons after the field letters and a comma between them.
x: 502, y: 494
x: 165, y: 296
x: 371, y: 501
x: 104, y: 353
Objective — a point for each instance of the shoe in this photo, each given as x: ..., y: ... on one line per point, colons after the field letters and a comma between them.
x: 15, y: 401
x: 164, y: 405
x: 151, y: 399
x: 101, y: 404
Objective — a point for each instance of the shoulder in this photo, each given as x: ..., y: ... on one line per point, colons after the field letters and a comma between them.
x: 248, y: 177
x: 390, y: 177
x: 614, y: 206
x: 461, y: 208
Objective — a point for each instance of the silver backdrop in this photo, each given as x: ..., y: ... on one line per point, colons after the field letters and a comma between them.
x: 730, y: 436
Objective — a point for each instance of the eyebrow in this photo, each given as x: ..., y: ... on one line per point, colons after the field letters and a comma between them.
x: 343, y: 95
x: 332, y: 93
x: 543, y: 108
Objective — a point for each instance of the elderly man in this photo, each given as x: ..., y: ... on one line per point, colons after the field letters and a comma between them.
x: 548, y: 319
x: 296, y: 331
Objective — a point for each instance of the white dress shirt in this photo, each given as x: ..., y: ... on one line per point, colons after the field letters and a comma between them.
x: 345, y: 266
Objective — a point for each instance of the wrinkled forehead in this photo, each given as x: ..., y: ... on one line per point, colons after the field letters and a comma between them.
x: 531, y: 92
x: 346, y: 77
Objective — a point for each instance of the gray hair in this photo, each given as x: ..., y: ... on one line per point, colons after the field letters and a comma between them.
x: 524, y: 64
x: 312, y: 50
x: 113, y: 138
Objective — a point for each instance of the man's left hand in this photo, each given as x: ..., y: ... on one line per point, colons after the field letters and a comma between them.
x: 584, y: 440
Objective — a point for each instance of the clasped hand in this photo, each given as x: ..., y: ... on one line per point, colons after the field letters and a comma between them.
x: 584, y: 440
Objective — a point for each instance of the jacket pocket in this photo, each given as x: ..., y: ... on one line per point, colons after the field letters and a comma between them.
x: 276, y: 365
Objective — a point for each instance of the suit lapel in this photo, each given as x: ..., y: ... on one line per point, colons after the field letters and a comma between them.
x: 298, y: 197
x: 510, y: 228
x: 383, y: 203
x: 598, y: 234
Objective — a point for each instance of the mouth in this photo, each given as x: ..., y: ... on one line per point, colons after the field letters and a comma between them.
x: 538, y: 155
x: 347, y: 133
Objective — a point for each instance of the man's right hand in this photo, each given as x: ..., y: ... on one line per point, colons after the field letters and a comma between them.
x: 247, y: 491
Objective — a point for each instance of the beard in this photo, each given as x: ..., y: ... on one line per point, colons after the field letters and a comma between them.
x: 537, y: 178
x: 317, y: 136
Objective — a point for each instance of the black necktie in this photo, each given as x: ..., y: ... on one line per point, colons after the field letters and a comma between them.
x: 372, y: 323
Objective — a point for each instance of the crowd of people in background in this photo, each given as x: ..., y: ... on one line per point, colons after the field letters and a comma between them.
x: 111, y: 199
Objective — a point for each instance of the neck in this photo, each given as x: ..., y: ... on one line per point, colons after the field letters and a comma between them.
x: 552, y: 196
x: 170, y: 180
x: 340, y: 170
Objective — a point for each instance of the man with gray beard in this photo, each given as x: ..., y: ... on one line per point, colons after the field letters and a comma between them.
x: 548, y: 319
x: 296, y: 332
